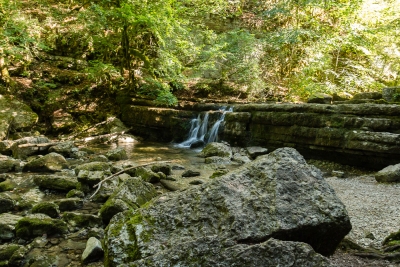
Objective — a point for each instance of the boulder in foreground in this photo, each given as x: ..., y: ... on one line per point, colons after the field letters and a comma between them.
x: 276, y: 196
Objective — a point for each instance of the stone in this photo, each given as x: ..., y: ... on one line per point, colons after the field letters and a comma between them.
x: 197, y: 144
x: 36, y: 225
x: 7, y: 225
x: 117, y: 154
x: 99, y: 158
x: 75, y: 219
x: 8, y: 164
x: 75, y: 193
x: 320, y: 98
x: 147, y: 175
x: 196, y: 182
x: 56, y: 182
x: 67, y: 204
x: 216, y: 149
x: 7, y: 185
x: 5, y: 147
x: 62, y: 121
x: 93, y: 166
x: 275, y: 196
x: 131, y: 194
x: 164, y: 168
x: 108, y: 187
x: 389, y: 174
x: 63, y: 148
x: 93, y: 251
x: 255, y: 151
x: 218, y: 173
x: 6, y: 203
x: 341, y: 96
x: 391, y: 94
x: 91, y: 177
x: 52, y: 162
x: 272, y: 252
x: 170, y: 185
x: 177, y: 167
x: 241, y: 159
x: 7, y: 250
x: 190, y: 173
x: 16, y: 115
x: 217, y: 160
x: 49, y: 208
x: 21, y: 149
x: 367, y: 95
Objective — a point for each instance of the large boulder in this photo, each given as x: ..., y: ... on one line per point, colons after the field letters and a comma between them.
x: 52, y: 162
x: 389, y: 174
x: 131, y: 194
x: 276, y: 196
x: 15, y: 115
x: 216, y: 149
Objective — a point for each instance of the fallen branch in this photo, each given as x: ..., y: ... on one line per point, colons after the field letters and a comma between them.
x: 91, y: 127
x: 98, y: 185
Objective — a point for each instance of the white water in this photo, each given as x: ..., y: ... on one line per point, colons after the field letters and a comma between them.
x: 199, y: 129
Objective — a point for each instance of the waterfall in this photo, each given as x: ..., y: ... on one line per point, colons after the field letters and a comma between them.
x: 199, y: 133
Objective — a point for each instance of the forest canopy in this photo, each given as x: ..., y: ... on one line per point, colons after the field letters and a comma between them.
x: 259, y: 50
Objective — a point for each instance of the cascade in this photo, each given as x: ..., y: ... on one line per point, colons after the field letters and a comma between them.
x: 199, y: 132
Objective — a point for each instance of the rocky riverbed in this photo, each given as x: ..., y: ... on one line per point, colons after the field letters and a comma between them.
x: 48, y: 216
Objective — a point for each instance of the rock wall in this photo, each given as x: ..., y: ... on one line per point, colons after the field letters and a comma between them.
x: 366, y: 135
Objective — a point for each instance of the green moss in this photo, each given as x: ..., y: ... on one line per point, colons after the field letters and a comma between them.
x: 7, y: 251
x: 34, y: 227
x: 48, y: 208
x: 7, y: 185
x: 393, y: 237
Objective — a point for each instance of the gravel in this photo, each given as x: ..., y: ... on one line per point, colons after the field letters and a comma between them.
x: 373, y: 208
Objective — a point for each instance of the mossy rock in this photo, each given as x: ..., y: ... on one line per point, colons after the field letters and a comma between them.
x: 36, y: 225
x: 147, y: 175
x: 216, y: 149
x: 75, y: 193
x: 7, y: 250
x: 7, y: 185
x: 6, y: 203
x: 218, y: 173
x: 50, y: 209
x: 52, y: 162
x: 93, y: 166
x: 392, y: 239
x: 8, y: 164
x: 56, y: 182
x: 112, y: 207
x: 164, y: 168
x: 117, y: 154
x: 320, y: 98
x: 82, y: 220
x: 67, y: 204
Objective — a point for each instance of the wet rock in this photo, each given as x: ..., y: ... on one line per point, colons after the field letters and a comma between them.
x: 171, y: 186
x: 78, y: 154
x: 147, y: 175
x: 75, y: 219
x: 18, y: 257
x: 164, y: 168
x: 177, y: 167
x: 131, y: 194
x: 108, y: 187
x: 7, y: 225
x: 52, y: 162
x: 217, y: 160
x: 35, y: 225
x: 269, y: 253
x: 320, y: 98
x: 5, y: 147
x: 255, y: 151
x: 93, y: 166
x: 196, y: 182
x: 20, y: 150
x: 48, y: 208
x: 392, y: 239
x: 389, y: 174
x: 96, y: 232
x: 6, y: 203
x: 190, y: 173
x: 7, y: 250
x: 197, y: 144
x: 117, y: 154
x: 15, y: 113
x: 56, y: 182
x: 75, y: 193
x: 93, y: 251
x: 99, y: 158
x: 7, y: 185
x: 338, y: 174
x: 8, y: 164
x: 278, y: 195
x: 240, y: 158
x: 218, y: 173
x: 63, y: 148
x: 367, y: 95
x: 216, y: 149
x: 92, y: 177
x: 67, y: 204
